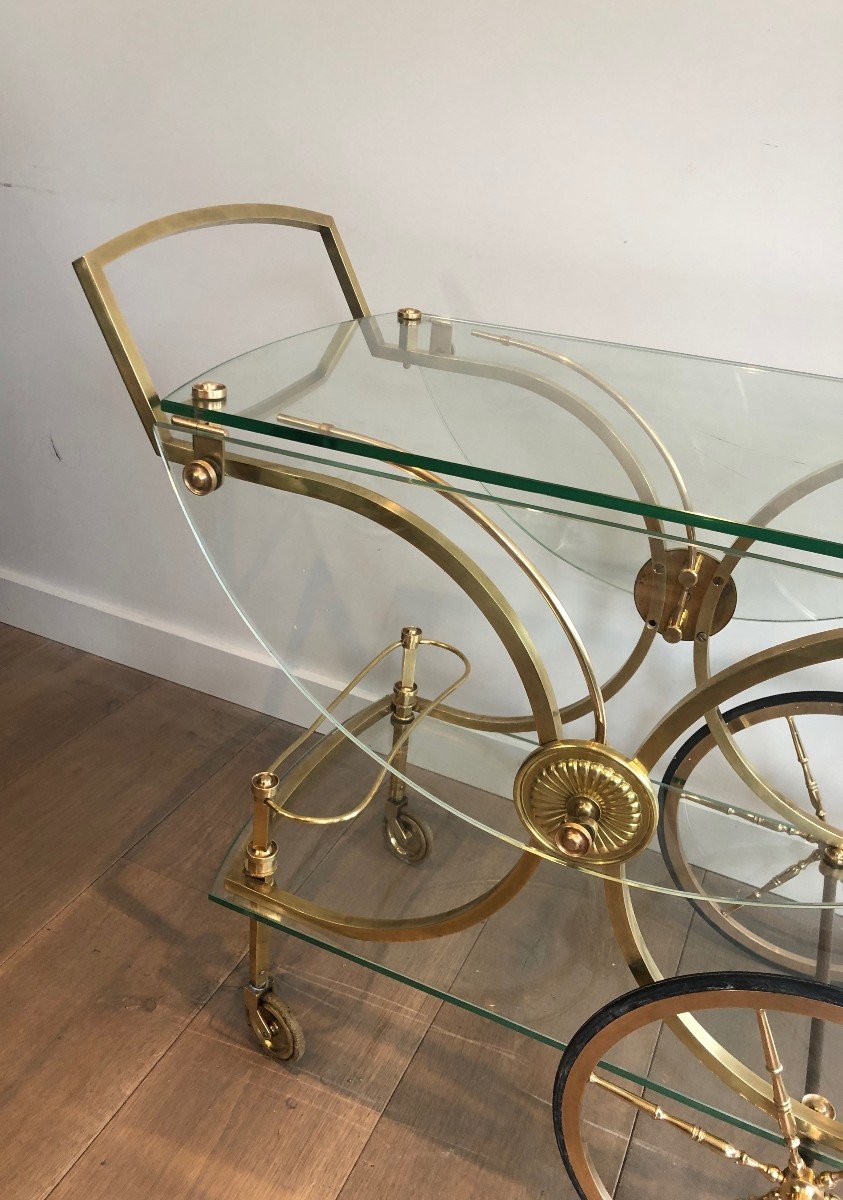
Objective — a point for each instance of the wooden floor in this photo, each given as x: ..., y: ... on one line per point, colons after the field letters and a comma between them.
x: 126, y: 1069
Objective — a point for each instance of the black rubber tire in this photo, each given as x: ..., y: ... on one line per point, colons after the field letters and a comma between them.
x: 732, y: 714
x: 663, y: 989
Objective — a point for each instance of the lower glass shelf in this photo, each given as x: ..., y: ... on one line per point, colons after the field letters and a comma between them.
x: 551, y: 955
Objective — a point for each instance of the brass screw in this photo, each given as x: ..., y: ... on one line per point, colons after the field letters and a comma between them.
x: 409, y: 316
x: 201, y: 476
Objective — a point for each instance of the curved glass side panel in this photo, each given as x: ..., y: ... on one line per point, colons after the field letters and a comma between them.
x: 518, y: 649
x: 610, y: 753
x: 425, y: 869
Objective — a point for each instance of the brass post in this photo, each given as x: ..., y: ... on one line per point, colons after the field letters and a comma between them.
x: 409, y: 320
x: 403, y: 713
x: 259, y: 977
x: 261, y: 857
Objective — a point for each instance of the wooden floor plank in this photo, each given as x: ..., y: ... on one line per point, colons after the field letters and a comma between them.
x: 68, y: 820
x: 217, y: 1119
x: 53, y: 694
x: 470, y: 1120
x: 89, y: 1005
x: 472, y: 1114
x: 15, y: 643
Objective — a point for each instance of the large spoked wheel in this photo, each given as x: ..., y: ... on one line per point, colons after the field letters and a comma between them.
x: 770, y: 1016
x: 801, y: 653
x: 815, y: 864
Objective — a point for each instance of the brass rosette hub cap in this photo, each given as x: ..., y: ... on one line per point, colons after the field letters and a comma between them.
x: 585, y: 801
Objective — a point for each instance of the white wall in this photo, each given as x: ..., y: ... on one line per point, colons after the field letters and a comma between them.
x: 663, y: 173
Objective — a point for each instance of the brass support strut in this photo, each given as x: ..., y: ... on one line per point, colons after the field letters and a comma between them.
x: 261, y: 857
x: 273, y: 1022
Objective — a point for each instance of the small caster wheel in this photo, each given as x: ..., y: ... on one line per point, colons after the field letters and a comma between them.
x: 278, y: 1031
x: 407, y: 837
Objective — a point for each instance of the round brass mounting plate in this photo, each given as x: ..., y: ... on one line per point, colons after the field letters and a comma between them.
x: 676, y: 562
x: 561, y: 780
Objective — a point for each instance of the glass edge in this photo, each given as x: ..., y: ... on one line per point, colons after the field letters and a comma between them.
x: 523, y: 483
x: 587, y: 341
x: 244, y: 909
x: 680, y: 538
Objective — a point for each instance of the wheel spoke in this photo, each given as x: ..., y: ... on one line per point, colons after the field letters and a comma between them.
x: 695, y: 1132
x: 807, y: 774
x: 777, y: 881
x: 781, y: 1099
x: 776, y: 824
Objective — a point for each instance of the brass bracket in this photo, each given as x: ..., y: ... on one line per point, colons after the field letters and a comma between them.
x: 441, y: 333
x: 206, y: 472
x: 688, y: 578
x: 441, y: 336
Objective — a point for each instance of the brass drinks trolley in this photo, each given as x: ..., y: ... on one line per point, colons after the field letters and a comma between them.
x: 570, y: 535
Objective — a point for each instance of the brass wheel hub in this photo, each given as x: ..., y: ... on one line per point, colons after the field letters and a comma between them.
x: 585, y: 801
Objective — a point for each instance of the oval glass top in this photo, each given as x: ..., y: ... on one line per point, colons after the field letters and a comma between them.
x: 710, y: 452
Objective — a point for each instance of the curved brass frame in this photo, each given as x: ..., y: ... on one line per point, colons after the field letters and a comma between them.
x: 430, y: 541
x: 267, y: 897
x: 90, y: 269
x: 809, y: 823
x: 456, y: 716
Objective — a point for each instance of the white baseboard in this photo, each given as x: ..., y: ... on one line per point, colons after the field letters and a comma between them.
x: 232, y: 672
